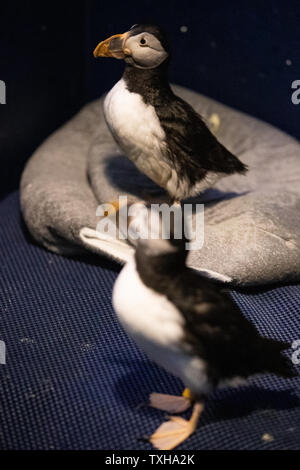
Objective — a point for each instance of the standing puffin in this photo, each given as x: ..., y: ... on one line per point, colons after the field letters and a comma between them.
x: 191, y: 327
x: 162, y: 134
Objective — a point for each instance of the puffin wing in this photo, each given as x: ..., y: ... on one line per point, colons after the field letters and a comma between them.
x: 203, y: 302
x: 191, y: 145
x: 217, y: 331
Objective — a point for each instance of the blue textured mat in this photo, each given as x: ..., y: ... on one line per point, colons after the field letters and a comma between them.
x: 73, y: 380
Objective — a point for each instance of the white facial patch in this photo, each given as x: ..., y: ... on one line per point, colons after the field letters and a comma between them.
x: 146, y: 50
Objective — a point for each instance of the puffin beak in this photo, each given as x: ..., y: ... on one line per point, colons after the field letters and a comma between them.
x: 113, y: 47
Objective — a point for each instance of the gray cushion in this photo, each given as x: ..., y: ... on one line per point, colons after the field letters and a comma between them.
x: 252, y: 222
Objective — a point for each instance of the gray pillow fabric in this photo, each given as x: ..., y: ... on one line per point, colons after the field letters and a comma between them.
x: 252, y: 222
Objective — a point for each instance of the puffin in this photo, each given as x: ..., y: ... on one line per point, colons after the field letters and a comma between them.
x: 158, y: 131
x: 191, y: 327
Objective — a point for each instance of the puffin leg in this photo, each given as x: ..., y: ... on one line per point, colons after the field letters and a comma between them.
x: 171, y: 403
x: 175, y: 431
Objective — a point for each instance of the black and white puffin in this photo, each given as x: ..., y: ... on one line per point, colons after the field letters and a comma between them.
x: 191, y: 327
x: 161, y: 133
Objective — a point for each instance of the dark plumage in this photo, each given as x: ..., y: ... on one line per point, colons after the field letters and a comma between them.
x: 191, y: 147
x: 214, y: 325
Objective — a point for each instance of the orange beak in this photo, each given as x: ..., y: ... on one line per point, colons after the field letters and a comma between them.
x: 113, y: 47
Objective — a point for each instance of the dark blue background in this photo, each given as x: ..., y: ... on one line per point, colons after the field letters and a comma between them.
x: 235, y: 52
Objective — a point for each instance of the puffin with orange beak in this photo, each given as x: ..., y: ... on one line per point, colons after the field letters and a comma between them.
x: 158, y: 131
x: 189, y: 325
x: 112, y: 47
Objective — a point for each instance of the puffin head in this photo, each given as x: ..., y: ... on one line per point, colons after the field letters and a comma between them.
x: 162, y: 232
x: 144, y: 46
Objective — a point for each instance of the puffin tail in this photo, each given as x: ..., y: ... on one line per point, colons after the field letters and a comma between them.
x: 231, y: 163
x: 272, y: 359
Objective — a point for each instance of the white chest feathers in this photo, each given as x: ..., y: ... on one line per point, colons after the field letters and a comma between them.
x: 143, y: 312
x: 136, y: 128
x: 157, y: 327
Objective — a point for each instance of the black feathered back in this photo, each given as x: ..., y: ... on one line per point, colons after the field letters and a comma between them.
x: 191, y: 147
x: 215, y: 328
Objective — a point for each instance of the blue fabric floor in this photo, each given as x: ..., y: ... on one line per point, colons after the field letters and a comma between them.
x: 74, y: 380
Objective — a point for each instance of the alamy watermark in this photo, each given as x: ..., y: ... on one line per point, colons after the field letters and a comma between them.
x: 296, y: 94
x: 296, y: 353
x: 114, y: 225
x: 2, y: 92
x: 158, y: 221
x: 2, y: 352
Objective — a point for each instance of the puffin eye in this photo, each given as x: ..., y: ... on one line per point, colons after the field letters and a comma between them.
x: 143, y: 41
